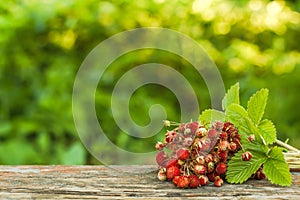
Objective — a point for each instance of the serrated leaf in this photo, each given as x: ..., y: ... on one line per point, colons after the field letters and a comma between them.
x: 232, y: 96
x: 210, y: 115
x: 239, y: 171
x: 276, y: 168
x: 255, y: 146
x: 254, y: 130
x: 268, y: 131
x: 237, y: 115
x: 257, y: 104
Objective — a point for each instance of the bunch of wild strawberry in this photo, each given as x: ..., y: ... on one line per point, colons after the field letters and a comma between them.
x: 191, y: 155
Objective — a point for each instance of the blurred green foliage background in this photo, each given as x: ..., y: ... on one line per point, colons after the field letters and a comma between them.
x: 43, y: 43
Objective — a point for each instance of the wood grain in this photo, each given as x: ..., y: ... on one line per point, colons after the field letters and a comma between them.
x: 122, y: 182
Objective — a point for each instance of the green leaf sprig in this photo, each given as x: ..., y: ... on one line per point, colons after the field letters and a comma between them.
x: 249, y: 121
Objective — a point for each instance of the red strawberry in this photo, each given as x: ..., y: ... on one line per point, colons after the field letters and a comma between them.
x: 200, y: 169
x: 218, y: 125
x: 175, y: 180
x: 161, y: 175
x: 209, y: 158
x: 200, y: 160
x: 223, y: 146
x: 211, y: 177
x: 201, y: 132
x: 183, y: 154
x: 194, y: 181
x: 183, y: 182
x: 237, y: 142
x: 193, y: 126
x: 161, y: 157
x: 223, y: 155
x: 223, y: 135
x: 172, y: 172
x: 172, y: 162
x: 226, y: 126
x: 259, y: 175
x: 218, y: 182
x: 212, y: 133
x: 232, y: 146
x: 246, y: 156
x: 203, y: 180
x: 205, y: 145
x: 170, y: 135
x: 221, y: 168
x: 210, y: 167
x: 159, y: 146
x: 251, y: 138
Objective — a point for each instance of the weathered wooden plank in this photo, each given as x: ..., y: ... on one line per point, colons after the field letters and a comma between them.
x: 100, y: 182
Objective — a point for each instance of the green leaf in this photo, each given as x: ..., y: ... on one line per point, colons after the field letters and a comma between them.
x: 239, y: 171
x: 255, y: 146
x: 210, y: 115
x: 237, y: 115
x: 276, y: 169
x: 257, y: 104
x: 254, y: 130
x: 232, y: 96
x: 268, y: 131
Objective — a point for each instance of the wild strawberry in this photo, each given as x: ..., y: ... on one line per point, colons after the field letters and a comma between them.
x: 159, y: 146
x: 218, y: 181
x: 237, y: 142
x: 251, y: 138
x: 181, y: 128
x: 208, y: 158
x: 246, y: 156
x: 187, y: 132
x: 223, y: 155
x: 232, y: 146
x: 218, y: 125
x: 201, y: 132
x: 212, y: 133
x: 262, y: 176
x: 203, y: 180
x: 172, y: 172
x: 183, y: 182
x: 161, y: 157
x: 210, y: 167
x: 223, y: 145
x: 204, y: 145
x: 221, y: 168
x: 162, y: 176
x: 231, y: 130
x: 200, y: 160
x: 194, y: 181
x: 216, y: 158
x: 259, y: 175
x: 183, y: 154
x: 226, y: 126
x: 223, y: 135
x: 211, y: 177
x: 175, y: 180
x: 172, y: 162
x: 200, y: 169
x: 193, y: 126
x: 170, y: 135
x: 187, y: 142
